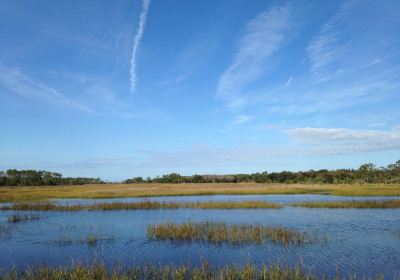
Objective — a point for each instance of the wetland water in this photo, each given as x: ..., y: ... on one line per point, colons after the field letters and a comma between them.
x: 364, y: 241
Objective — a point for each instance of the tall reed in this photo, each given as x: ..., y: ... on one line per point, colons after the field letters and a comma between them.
x: 146, y: 204
x: 171, y: 272
x: 393, y: 203
x: 221, y: 232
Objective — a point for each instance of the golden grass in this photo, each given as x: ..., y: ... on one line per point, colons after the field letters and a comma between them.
x: 146, y: 204
x: 221, y: 232
x: 10, y: 194
x: 98, y: 271
x: 350, y: 204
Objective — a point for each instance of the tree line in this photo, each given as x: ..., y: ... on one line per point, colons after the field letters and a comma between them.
x: 14, y: 177
x: 366, y: 173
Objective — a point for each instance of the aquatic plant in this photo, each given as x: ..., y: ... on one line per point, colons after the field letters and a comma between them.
x: 233, y: 204
x: 146, y: 204
x: 393, y: 203
x: 221, y: 232
x: 42, y: 206
x: 17, y: 218
x: 92, y: 239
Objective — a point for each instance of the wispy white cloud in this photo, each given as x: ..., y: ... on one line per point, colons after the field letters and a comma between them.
x: 17, y: 82
x: 136, y: 43
x: 289, y: 81
x: 241, y: 119
x: 263, y: 36
x: 343, y: 140
x: 351, y: 35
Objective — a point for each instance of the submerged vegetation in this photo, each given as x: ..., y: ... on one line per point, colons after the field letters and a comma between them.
x: 91, y: 240
x: 147, y: 204
x: 17, y: 218
x: 221, y: 232
x: 350, y: 204
x: 5, y: 229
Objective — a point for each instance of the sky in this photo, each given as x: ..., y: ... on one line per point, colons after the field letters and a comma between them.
x: 125, y: 88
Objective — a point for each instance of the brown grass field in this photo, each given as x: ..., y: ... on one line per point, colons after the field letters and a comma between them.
x: 12, y: 194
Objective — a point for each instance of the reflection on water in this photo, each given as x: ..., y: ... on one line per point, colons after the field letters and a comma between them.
x: 358, y: 240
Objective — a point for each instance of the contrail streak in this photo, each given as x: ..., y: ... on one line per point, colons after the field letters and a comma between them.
x: 138, y: 38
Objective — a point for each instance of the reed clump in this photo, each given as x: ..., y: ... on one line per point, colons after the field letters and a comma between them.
x: 350, y: 204
x: 92, y: 239
x: 140, y: 205
x: 42, y: 206
x: 247, y: 204
x: 221, y: 232
x: 18, y: 218
x: 146, y: 204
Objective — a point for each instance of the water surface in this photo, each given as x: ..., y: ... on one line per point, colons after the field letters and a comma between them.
x: 357, y: 240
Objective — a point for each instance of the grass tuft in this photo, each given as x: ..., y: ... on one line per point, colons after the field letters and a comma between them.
x: 221, y: 232
x: 350, y: 204
x: 92, y: 239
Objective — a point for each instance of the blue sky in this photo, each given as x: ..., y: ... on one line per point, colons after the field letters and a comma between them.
x: 118, y: 89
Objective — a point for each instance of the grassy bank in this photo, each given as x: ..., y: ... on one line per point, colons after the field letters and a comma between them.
x: 108, y: 206
x: 221, y: 232
x: 350, y: 204
x: 10, y: 194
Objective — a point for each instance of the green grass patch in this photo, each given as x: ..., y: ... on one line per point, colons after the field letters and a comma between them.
x: 384, y: 204
x: 221, y: 232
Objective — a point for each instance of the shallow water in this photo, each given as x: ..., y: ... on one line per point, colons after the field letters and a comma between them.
x: 357, y: 240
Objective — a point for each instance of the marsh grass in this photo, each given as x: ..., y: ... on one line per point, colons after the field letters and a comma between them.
x: 140, y: 205
x: 170, y: 272
x: 42, y: 206
x: 18, y: 218
x: 247, y: 204
x: 18, y: 194
x: 91, y: 240
x: 350, y: 204
x: 221, y: 232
